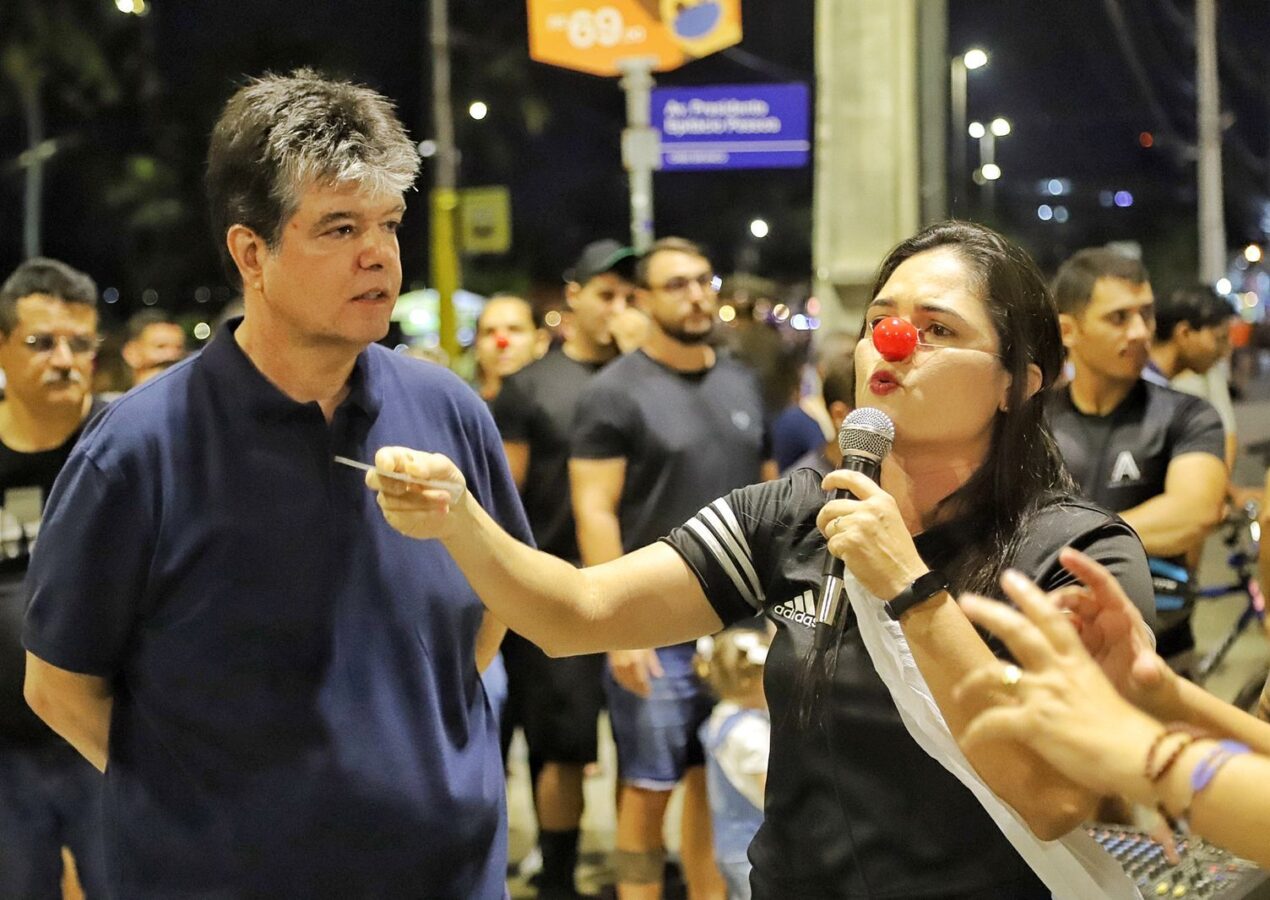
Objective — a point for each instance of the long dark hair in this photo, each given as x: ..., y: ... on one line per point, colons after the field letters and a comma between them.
x: 1023, y: 467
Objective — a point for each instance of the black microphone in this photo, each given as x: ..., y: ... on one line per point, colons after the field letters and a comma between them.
x: 865, y: 439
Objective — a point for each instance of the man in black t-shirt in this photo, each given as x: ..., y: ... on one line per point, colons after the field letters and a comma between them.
x: 48, y: 792
x: 1151, y: 454
x: 557, y: 701
x: 660, y: 433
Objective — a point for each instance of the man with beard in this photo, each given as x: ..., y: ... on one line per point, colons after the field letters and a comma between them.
x: 557, y: 701
x: 1147, y: 452
x: 660, y: 433
x: 48, y: 792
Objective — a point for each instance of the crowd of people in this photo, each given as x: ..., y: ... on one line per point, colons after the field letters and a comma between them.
x: 232, y: 669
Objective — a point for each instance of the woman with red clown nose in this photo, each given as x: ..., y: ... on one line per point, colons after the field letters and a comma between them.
x: 873, y: 797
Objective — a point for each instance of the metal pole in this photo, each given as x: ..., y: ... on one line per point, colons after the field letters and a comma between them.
x: 444, y: 256
x: 1212, y: 226
x: 33, y: 160
x: 957, y: 82
x: 932, y: 38
x: 641, y: 147
x: 988, y: 154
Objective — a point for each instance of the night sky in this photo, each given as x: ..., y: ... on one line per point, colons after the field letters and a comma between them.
x: 123, y: 194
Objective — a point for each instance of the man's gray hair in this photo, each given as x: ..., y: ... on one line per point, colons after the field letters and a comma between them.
x: 281, y: 134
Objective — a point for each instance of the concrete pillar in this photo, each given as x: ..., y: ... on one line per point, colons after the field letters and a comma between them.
x: 869, y: 154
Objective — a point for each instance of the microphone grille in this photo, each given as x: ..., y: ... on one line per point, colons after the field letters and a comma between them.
x: 867, y: 430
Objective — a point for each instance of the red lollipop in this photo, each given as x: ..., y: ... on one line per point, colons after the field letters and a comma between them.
x: 895, y: 338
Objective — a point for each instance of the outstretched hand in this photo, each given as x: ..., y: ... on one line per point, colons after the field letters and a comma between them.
x: 1115, y: 634
x: 417, y: 510
x: 1060, y: 704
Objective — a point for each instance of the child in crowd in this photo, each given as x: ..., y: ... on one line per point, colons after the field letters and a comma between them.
x: 735, y: 739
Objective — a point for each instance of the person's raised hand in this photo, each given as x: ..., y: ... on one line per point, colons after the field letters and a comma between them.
x: 1115, y: 634
x: 1059, y: 703
x: 869, y: 535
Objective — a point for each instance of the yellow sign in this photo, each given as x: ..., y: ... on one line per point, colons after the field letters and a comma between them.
x: 485, y: 219
x: 594, y: 35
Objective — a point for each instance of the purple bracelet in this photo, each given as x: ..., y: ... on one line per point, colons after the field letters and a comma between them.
x: 1202, y: 776
x: 1204, y: 771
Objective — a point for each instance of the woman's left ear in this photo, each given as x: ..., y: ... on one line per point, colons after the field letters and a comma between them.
x: 1034, y: 380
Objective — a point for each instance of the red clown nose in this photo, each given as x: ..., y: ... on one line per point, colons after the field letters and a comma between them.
x: 895, y: 338
x: 501, y: 342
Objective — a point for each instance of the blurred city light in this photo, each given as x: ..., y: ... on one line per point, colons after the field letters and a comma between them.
x: 202, y: 294
x: 974, y: 58
x: 202, y: 330
x: 1044, y: 212
x: 798, y: 322
x: 149, y: 296
x: 132, y: 7
x: 552, y: 318
x: 1123, y: 199
x: 478, y: 110
x: 759, y: 228
x: 1000, y: 126
x: 1223, y: 286
x: 428, y: 148
x: 727, y: 312
x: 976, y: 130
x: 991, y: 172
x: 1061, y: 215
x: 780, y: 312
x: 1146, y: 139
x: 110, y: 295
x: 1252, y: 253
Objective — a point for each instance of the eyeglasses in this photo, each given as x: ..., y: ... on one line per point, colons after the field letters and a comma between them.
x: 707, y: 281
x: 78, y: 344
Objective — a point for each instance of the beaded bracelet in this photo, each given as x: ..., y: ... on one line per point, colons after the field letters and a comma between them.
x: 1189, y: 736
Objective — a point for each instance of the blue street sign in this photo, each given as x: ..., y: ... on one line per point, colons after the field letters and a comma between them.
x: 734, y: 126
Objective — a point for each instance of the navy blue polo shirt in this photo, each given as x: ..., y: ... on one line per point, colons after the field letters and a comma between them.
x: 297, y: 710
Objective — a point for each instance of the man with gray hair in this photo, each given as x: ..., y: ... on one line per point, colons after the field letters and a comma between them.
x: 283, y: 695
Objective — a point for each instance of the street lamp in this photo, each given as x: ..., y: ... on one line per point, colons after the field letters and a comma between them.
x: 988, y: 170
x: 959, y: 66
x: 478, y: 110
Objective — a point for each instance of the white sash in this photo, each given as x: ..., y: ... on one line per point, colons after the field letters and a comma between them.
x: 1073, y: 867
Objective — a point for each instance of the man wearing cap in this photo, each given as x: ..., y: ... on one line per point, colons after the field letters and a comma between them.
x: 557, y: 701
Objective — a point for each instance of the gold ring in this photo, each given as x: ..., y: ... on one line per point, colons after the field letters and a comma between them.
x: 1010, y: 675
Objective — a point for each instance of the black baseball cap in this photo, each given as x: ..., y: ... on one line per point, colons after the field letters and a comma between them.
x: 602, y: 256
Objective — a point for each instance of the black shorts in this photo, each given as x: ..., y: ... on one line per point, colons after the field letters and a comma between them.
x: 556, y: 702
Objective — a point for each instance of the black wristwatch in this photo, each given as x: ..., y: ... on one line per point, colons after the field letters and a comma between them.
x: 921, y: 590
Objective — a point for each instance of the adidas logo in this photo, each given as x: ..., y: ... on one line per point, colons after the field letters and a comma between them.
x: 801, y: 609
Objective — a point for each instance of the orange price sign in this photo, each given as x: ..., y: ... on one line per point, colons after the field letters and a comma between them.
x: 595, y: 35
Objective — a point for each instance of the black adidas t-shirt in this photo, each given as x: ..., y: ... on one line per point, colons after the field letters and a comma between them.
x: 1120, y: 460
x: 537, y: 406
x: 25, y: 482
x: 854, y: 807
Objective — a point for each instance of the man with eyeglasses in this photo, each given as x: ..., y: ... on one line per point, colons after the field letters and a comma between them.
x: 48, y: 792
x: 659, y: 433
